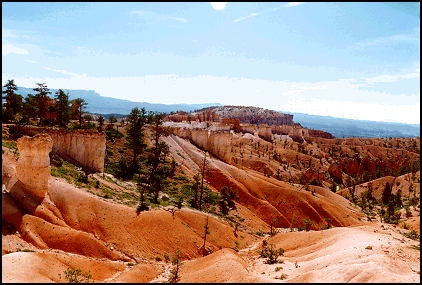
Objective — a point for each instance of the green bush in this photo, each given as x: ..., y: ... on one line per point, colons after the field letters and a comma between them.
x: 413, y: 235
x: 308, y: 224
x: 76, y: 275
x: 181, y: 178
x: 271, y: 253
x: 112, y: 134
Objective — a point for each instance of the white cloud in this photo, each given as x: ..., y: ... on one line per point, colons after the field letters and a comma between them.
x: 64, y: 72
x: 401, y: 37
x: 31, y: 61
x: 243, y: 18
x: 218, y: 5
x: 291, y: 4
x: 136, y: 12
x: 177, y: 19
x: 8, y: 48
x: 391, y: 78
x: 7, y: 34
x: 195, y: 41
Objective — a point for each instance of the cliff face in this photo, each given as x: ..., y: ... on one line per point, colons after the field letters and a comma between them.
x: 217, y: 143
x: 33, y: 168
x: 264, y: 132
x: 85, y: 146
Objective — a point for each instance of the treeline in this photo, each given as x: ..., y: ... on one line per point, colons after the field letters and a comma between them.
x: 42, y: 110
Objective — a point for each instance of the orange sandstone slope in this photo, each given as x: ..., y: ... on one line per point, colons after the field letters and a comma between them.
x: 268, y: 198
x: 75, y: 221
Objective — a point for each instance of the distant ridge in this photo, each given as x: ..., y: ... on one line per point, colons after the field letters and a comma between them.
x: 338, y: 127
x: 348, y: 128
x: 107, y: 105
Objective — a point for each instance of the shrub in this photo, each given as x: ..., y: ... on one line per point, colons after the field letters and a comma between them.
x: 271, y: 253
x: 177, y: 261
x: 76, y: 275
x: 308, y: 224
x: 413, y: 235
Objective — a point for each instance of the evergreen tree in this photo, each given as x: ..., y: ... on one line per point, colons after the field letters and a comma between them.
x: 100, y: 121
x: 112, y: 121
x: 157, y: 154
x: 30, y: 108
x: 63, y: 108
x: 14, y: 103
x: 386, y: 193
x: 135, y: 132
x: 80, y: 109
x: 42, y: 100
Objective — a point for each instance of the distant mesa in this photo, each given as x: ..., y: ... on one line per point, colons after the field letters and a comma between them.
x: 247, y: 119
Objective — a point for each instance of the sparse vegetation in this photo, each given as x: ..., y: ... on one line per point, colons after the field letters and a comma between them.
x: 270, y: 252
x: 176, y: 261
x: 72, y: 275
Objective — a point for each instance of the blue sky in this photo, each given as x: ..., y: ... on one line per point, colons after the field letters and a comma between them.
x: 348, y: 60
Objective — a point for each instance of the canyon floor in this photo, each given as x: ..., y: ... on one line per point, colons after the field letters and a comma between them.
x: 78, y: 226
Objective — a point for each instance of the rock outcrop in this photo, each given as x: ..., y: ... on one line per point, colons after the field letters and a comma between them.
x: 87, y: 147
x: 254, y: 115
x: 33, y: 168
x: 217, y: 143
x: 264, y: 132
x: 205, y: 116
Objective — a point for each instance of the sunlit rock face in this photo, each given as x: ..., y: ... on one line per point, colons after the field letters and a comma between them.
x: 86, y: 147
x: 33, y: 168
x: 264, y: 132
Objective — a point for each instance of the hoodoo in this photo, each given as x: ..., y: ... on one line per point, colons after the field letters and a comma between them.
x: 33, y: 168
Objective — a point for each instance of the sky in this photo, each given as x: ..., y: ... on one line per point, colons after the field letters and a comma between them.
x: 347, y: 60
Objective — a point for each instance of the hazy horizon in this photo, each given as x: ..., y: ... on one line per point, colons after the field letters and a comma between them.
x: 347, y: 60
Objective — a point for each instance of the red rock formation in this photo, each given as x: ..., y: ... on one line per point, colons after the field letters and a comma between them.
x: 87, y: 147
x: 264, y: 132
x: 217, y: 143
x: 33, y: 168
x: 206, y: 116
x: 254, y: 115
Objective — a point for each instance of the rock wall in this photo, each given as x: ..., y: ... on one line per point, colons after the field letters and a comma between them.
x: 86, y: 147
x: 217, y: 143
x: 247, y: 128
x: 33, y: 168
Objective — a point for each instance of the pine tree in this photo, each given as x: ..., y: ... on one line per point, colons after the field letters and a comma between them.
x: 63, y: 108
x: 135, y: 132
x: 386, y: 193
x: 42, y: 99
x: 14, y: 103
x: 157, y: 154
x: 80, y: 109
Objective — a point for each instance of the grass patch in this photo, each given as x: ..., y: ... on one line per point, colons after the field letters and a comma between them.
x: 413, y: 235
x: 11, y: 144
x: 417, y: 247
